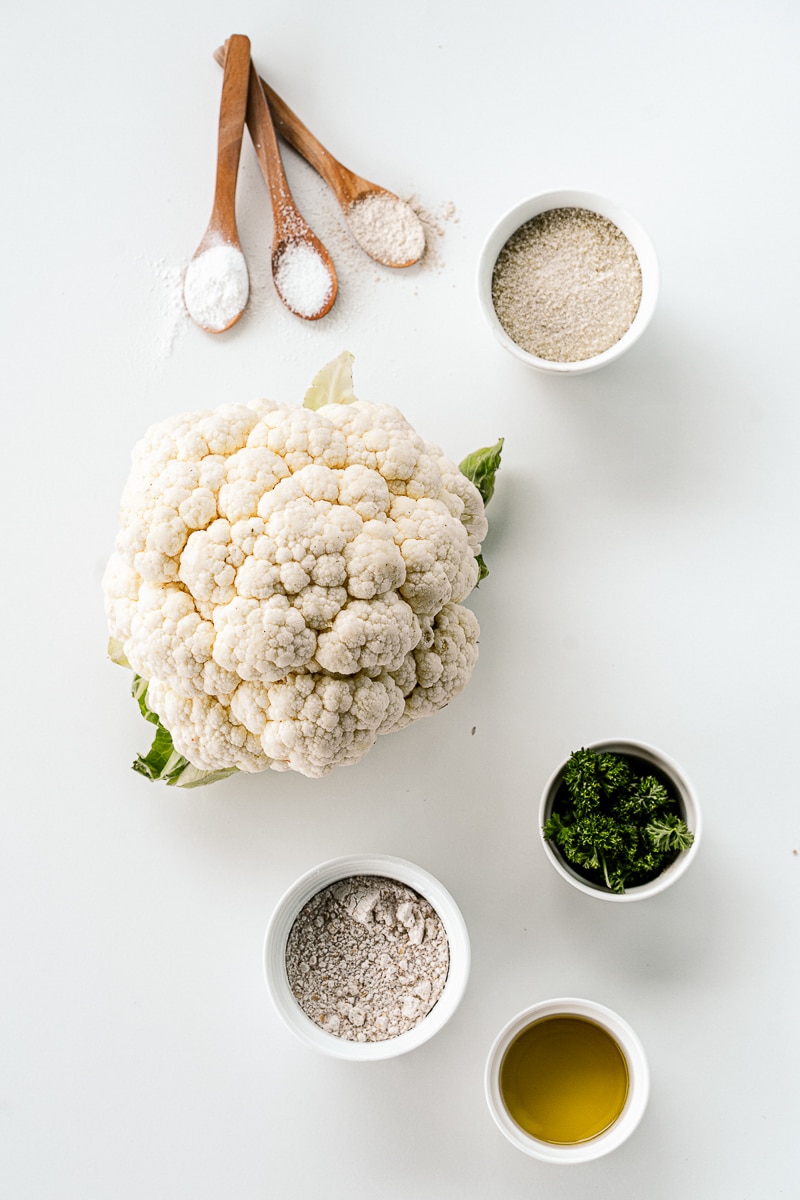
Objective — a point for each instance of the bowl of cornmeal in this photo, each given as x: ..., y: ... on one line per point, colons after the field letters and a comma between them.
x: 366, y: 957
x: 568, y: 281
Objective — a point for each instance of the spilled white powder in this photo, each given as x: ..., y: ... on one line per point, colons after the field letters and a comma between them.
x: 303, y: 279
x: 216, y: 287
x: 172, y: 319
x: 361, y: 279
x: 387, y: 229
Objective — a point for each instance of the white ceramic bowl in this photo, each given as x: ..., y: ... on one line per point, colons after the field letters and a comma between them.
x: 294, y: 900
x: 638, y: 1082
x: 688, y: 802
x: 569, y: 198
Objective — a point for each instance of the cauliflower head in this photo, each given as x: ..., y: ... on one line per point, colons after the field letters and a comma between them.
x: 290, y: 581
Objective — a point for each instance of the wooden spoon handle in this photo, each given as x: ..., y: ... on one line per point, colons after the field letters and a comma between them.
x: 289, y: 229
x: 232, y: 109
x: 287, y: 220
x: 344, y: 183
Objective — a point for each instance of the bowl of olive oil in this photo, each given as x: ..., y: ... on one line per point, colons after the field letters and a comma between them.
x: 567, y: 1080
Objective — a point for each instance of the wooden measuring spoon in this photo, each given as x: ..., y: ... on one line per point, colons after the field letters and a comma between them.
x: 216, y: 286
x: 386, y: 227
x: 303, y: 271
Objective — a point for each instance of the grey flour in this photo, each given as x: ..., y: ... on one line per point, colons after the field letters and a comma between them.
x: 367, y: 958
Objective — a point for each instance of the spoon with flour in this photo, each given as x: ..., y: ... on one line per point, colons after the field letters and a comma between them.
x: 385, y: 227
x: 216, y: 286
x: 303, y: 271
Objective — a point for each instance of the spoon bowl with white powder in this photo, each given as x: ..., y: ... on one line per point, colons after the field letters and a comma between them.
x: 303, y: 271
x: 385, y: 227
x: 304, y: 276
x: 216, y: 286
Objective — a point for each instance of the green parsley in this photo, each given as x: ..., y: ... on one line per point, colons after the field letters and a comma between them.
x: 615, y: 819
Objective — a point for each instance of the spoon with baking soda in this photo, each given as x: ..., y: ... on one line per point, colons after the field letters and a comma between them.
x: 216, y: 285
x: 304, y: 274
x: 385, y: 227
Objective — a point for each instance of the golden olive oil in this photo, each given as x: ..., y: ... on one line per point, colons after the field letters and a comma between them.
x: 564, y: 1079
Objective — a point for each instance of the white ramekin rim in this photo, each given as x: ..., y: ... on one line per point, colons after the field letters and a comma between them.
x: 638, y: 1081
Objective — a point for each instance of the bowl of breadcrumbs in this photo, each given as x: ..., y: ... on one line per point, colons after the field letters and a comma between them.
x: 568, y: 281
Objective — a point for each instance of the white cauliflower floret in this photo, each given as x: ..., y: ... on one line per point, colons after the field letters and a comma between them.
x: 169, y: 639
x: 443, y: 666
x: 289, y: 581
x: 314, y: 723
x: 262, y: 639
x: 368, y: 635
x: 440, y: 566
x: 466, y: 499
x: 204, y: 732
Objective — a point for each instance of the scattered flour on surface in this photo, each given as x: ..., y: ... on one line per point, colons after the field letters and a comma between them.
x: 360, y: 278
x: 172, y: 318
x: 434, y: 222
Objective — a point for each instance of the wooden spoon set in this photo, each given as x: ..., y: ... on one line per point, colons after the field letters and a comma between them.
x: 216, y: 287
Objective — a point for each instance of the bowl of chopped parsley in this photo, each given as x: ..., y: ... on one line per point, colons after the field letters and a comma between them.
x: 620, y: 820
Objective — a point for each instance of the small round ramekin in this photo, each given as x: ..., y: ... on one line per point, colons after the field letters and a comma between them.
x: 638, y: 1082
x: 688, y: 802
x: 298, y: 895
x: 532, y: 207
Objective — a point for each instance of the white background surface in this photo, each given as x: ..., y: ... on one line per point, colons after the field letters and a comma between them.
x: 644, y: 559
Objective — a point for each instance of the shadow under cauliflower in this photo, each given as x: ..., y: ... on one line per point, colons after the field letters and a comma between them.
x: 289, y: 583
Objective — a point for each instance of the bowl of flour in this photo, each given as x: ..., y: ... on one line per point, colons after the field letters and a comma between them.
x: 567, y: 281
x: 366, y: 957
